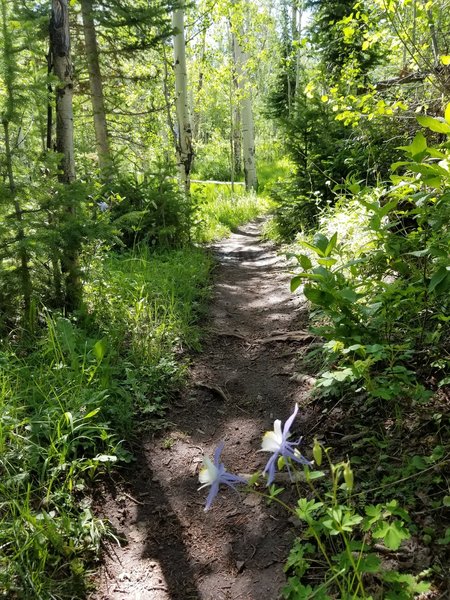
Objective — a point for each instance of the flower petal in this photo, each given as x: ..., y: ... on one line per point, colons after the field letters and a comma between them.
x: 270, y: 442
x: 209, y: 474
x: 212, y: 494
x: 277, y: 430
x: 288, y: 424
x: 218, y: 452
x: 270, y: 468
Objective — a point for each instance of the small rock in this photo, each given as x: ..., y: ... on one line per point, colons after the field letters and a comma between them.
x: 252, y: 501
x: 240, y: 564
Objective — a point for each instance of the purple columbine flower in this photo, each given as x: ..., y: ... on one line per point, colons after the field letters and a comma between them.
x: 103, y: 206
x: 214, y: 473
x: 276, y: 442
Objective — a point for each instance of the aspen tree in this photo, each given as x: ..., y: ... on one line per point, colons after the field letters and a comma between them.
x: 245, y: 99
x: 183, y: 125
x: 62, y: 68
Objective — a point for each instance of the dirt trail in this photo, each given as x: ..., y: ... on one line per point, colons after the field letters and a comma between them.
x: 239, y: 385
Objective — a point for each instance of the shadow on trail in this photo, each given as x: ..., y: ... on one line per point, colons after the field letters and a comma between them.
x: 164, y: 542
x: 235, y: 551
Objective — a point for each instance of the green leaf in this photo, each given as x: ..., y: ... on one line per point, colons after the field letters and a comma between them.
x: 100, y: 350
x: 304, y: 261
x: 253, y: 479
x: 296, y: 282
x: 331, y: 244
x: 437, y: 278
x: 315, y: 249
x: 392, y: 533
x: 447, y: 112
x: 419, y: 253
x: 369, y: 564
x: 327, y: 262
x: 433, y: 124
x: 418, y: 145
x: 316, y: 296
x: 92, y: 413
x: 408, y: 583
x: 321, y: 241
x: 315, y: 475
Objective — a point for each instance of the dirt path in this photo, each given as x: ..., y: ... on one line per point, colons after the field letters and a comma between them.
x: 239, y: 384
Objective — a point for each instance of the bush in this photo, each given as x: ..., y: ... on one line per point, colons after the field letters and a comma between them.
x: 149, y: 208
x: 212, y: 160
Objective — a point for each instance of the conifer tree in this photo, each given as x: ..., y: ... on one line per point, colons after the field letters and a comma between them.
x: 9, y: 72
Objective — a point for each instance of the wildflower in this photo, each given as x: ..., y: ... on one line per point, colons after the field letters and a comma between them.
x: 276, y: 442
x: 214, y: 473
x: 103, y: 206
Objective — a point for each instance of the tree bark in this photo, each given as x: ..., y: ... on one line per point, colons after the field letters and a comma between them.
x: 248, y: 128
x: 184, y: 149
x: 236, y: 142
x: 62, y: 67
x: 96, y: 87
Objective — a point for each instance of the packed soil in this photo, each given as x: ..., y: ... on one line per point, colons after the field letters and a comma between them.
x: 168, y: 548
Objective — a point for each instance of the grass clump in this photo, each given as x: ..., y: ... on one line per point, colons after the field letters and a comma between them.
x: 54, y: 438
x: 151, y: 319
x: 219, y: 212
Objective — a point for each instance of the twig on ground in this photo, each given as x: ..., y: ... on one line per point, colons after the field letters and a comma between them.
x: 136, y: 501
x: 213, y: 388
x: 295, y: 336
x: 229, y: 334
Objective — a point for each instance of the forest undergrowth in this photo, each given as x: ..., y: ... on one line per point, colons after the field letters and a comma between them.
x: 73, y: 393
x: 375, y: 271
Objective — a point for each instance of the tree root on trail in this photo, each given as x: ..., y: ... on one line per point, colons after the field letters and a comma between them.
x: 230, y: 334
x: 295, y: 336
x: 213, y: 388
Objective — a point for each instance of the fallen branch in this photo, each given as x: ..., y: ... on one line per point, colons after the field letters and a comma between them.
x: 213, y: 388
x: 217, y: 182
x: 296, y: 336
x: 229, y: 334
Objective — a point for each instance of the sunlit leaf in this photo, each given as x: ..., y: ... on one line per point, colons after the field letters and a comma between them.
x: 433, y: 124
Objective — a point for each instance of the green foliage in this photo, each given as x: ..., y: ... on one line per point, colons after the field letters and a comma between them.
x: 344, y: 534
x: 154, y: 315
x: 384, y: 308
x: 326, y: 154
x: 219, y: 210
x: 64, y: 405
x: 54, y: 440
x: 149, y: 208
x: 346, y: 34
x: 212, y: 159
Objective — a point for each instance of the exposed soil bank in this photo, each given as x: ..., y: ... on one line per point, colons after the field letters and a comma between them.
x: 238, y: 385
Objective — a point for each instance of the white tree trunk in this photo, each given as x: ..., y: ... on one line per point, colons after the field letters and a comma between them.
x: 183, y: 124
x: 96, y: 86
x: 62, y: 67
x: 248, y: 128
x: 297, y: 35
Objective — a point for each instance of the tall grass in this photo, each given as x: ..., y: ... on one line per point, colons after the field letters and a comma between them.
x: 69, y: 397
x: 53, y: 440
x: 220, y: 210
x: 66, y: 403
